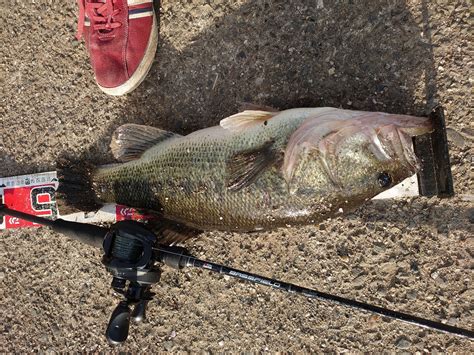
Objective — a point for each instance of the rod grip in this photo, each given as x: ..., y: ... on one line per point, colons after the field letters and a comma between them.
x: 83, y: 232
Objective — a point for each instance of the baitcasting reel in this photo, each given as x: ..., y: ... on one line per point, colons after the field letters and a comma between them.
x: 128, y: 256
x: 131, y: 252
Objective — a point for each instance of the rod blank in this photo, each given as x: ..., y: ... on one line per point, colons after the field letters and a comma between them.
x: 178, y: 258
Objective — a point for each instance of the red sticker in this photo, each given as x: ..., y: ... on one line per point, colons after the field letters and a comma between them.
x: 123, y: 213
x: 36, y: 200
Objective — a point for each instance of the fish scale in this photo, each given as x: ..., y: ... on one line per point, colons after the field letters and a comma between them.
x: 187, y: 178
x: 171, y: 168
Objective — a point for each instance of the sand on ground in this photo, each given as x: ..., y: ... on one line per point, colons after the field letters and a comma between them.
x: 413, y: 255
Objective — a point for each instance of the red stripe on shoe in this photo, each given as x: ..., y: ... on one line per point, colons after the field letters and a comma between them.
x: 141, y: 6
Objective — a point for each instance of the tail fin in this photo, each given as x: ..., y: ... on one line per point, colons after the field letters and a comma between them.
x: 75, y: 192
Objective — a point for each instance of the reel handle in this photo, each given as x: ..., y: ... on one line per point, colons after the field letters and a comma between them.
x: 139, y: 311
x: 119, y: 324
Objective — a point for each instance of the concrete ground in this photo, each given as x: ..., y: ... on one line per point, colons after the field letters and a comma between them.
x: 411, y: 255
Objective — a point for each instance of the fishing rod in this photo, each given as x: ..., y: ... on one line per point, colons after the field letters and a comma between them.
x: 133, y: 255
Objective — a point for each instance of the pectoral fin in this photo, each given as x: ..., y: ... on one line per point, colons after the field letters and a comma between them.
x: 244, y: 168
x: 129, y: 141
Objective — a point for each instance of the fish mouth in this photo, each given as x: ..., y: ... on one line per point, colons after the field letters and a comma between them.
x: 408, y: 156
x: 395, y: 141
x: 415, y: 126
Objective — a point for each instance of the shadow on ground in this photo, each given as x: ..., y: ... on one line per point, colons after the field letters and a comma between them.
x: 297, y: 54
x: 289, y: 54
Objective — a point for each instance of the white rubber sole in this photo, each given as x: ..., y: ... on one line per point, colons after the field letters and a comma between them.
x: 142, y: 69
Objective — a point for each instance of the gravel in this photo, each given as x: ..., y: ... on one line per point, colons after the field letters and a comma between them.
x: 393, y: 56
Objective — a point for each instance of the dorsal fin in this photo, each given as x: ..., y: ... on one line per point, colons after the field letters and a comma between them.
x: 246, y: 119
x: 129, y: 141
x: 245, y: 167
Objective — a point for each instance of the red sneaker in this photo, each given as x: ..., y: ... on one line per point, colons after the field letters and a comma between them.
x: 121, y: 36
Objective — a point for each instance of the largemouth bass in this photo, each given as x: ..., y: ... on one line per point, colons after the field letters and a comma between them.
x: 256, y: 170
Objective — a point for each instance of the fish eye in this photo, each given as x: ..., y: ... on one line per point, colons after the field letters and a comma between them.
x: 384, y: 179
